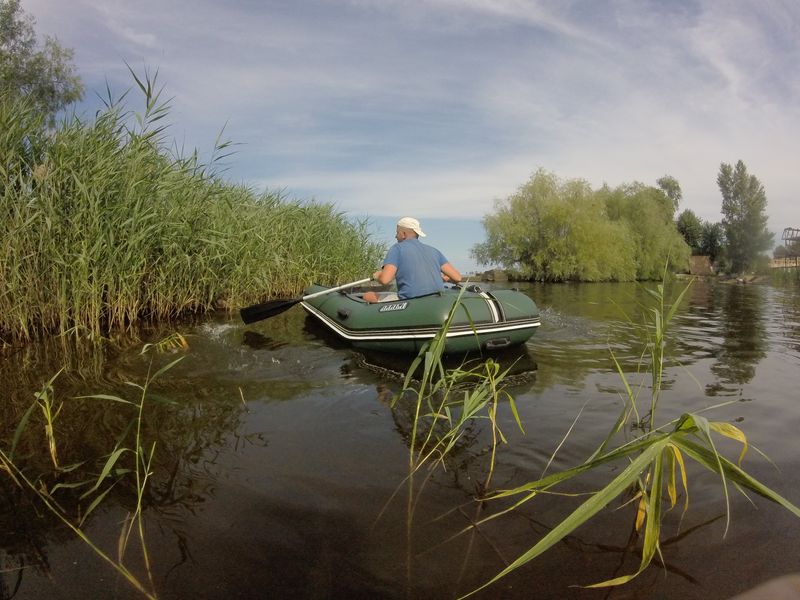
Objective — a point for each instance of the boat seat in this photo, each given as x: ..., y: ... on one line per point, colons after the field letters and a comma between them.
x: 382, y: 297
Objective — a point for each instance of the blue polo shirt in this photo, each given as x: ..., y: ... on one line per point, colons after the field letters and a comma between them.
x: 418, y: 268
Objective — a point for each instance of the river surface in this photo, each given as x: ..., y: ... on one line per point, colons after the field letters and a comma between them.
x: 281, y: 466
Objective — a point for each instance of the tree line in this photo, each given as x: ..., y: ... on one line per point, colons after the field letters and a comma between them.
x: 556, y: 230
x: 738, y: 242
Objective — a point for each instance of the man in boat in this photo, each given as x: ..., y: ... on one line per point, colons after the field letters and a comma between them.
x: 418, y: 268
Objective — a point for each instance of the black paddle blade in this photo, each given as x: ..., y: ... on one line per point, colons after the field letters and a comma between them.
x: 259, y: 312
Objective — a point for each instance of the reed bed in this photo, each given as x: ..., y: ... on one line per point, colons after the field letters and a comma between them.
x: 106, y: 227
x: 785, y: 276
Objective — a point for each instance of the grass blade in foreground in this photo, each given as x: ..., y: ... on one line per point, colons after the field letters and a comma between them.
x: 654, y: 459
x: 646, y: 456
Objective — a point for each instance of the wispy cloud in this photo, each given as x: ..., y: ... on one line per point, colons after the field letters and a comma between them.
x: 443, y: 106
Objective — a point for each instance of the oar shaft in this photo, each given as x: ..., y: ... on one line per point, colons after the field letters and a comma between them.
x: 268, y: 309
x: 336, y: 289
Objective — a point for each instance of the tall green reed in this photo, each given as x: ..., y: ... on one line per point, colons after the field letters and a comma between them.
x: 107, y: 225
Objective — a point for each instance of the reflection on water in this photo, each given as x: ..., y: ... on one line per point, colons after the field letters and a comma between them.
x: 280, y: 458
x: 518, y: 362
x: 743, y: 335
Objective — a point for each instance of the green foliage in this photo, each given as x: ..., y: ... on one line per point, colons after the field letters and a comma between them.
x: 559, y: 231
x: 43, y: 75
x: 446, y: 403
x: 647, y: 213
x: 785, y: 276
x: 672, y: 189
x: 691, y: 228
x: 106, y: 227
x: 704, y: 238
x: 744, y: 204
x: 554, y: 231
x: 712, y: 240
x: 654, y: 465
x: 762, y: 265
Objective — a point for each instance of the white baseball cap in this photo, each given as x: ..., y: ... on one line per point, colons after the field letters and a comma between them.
x: 411, y: 223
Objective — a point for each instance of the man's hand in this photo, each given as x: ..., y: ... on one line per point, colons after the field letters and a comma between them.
x: 385, y: 275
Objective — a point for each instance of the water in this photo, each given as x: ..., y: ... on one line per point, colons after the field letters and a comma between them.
x: 280, y: 466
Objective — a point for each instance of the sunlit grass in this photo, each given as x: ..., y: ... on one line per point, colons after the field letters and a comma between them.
x: 105, y: 226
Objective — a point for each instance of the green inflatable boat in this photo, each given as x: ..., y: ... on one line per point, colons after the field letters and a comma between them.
x: 485, y: 320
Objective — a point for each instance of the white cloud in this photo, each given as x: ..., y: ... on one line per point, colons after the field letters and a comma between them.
x: 444, y: 106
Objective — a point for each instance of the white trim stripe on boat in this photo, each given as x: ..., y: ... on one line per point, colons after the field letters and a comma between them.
x: 421, y: 333
x: 492, y: 307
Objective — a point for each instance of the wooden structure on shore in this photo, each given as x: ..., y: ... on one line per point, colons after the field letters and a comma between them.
x: 791, y: 241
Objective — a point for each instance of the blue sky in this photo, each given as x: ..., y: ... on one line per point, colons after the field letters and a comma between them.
x: 438, y: 108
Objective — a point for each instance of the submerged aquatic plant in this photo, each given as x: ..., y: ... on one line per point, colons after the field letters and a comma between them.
x: 122, y: 461
x: 656, y: 460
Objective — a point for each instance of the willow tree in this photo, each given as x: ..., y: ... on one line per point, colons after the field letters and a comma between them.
x: 42, y: 73
x: 672, y: 190
x: 744, y: 204
x: 647, y: 212
x: 691, y: 228
x: 551, y: 230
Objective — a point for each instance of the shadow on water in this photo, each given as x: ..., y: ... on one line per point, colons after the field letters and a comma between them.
x: 520, y: 362
x: 257, y: 341
x: 187, y: 421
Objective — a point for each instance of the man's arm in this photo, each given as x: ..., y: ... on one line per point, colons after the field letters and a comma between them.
x: 385, y: 275
x: 450, y: 273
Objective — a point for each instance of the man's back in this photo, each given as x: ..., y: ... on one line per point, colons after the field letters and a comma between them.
x: 418, y: 268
